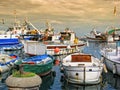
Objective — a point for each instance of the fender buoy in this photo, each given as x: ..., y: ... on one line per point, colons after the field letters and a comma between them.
x: 56, y: 50
x: 105, y: 69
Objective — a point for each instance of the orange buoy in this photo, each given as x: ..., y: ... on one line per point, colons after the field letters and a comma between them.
x: 56, y: 50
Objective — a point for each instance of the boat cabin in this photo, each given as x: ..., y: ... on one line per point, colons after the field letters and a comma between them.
x: 66, y: 36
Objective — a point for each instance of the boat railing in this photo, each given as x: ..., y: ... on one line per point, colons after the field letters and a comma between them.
x: 63, y: 51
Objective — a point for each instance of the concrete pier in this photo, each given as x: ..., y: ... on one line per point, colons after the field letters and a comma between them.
x: 23, y: 83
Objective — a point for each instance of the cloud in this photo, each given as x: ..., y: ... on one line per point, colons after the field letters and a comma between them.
x: 60, y: 11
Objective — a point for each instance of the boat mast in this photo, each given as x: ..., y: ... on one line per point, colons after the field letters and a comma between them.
x: 48, y: 25
x: 15, y: 17
x: 34, y: 27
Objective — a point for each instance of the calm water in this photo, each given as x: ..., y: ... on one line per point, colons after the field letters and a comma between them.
x: 50, y: 82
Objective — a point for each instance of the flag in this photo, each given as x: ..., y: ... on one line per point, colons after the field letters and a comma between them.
x: 115, y: 10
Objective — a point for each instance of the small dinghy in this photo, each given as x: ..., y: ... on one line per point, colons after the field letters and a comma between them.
x: 40, y: 64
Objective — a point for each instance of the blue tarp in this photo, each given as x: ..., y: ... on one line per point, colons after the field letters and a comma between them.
x: 9, y: 41
x: 36, y: 58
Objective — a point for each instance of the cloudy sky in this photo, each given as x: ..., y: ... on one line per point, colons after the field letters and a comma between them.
x: 78, y: 15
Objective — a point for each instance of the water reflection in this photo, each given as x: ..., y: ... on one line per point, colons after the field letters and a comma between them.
x: 70, y: 86
x: 112, y: 81
x: 47, y: 81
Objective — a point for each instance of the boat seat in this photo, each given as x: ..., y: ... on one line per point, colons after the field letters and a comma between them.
x: 81, y: 58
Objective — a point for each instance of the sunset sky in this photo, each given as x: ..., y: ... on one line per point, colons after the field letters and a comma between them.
x: 78, y: 15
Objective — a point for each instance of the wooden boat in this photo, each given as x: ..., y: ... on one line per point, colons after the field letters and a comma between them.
x: 54, y: 44
x: 80, y: 68
x: 40, y: 64
x: 111, y: 55
x: 7, y: 62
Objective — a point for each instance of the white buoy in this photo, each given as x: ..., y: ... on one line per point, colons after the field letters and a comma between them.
x: 105, y: 69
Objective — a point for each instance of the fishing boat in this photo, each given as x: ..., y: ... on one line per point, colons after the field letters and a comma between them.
x: 113, y: 35
x: 95, y: 36
x: 81, y: 68
x: 111, y: 55
x: 7, y: 62
x: 40, y: 64
x: 108, y: 35
x: 10, y: 38
x: 64, y: 42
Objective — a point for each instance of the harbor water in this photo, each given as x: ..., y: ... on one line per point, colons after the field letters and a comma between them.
x: 54, y: 80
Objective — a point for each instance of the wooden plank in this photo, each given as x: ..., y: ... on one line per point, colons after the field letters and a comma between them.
x: 81, y: 58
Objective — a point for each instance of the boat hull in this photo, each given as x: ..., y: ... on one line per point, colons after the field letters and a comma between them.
x: 112, y: 66
x: 41, y: 70
x: 82, y: 75
x: 111, y: 57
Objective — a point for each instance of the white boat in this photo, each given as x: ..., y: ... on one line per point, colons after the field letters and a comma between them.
x: 7, y: 62
x: 53, y: 45
x: 109, y: 35
x: 80, y: 68
x: 95, y: 36
x: 111, y: 55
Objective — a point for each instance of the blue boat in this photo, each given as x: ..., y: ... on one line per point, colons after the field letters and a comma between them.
x: 7, y: 62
